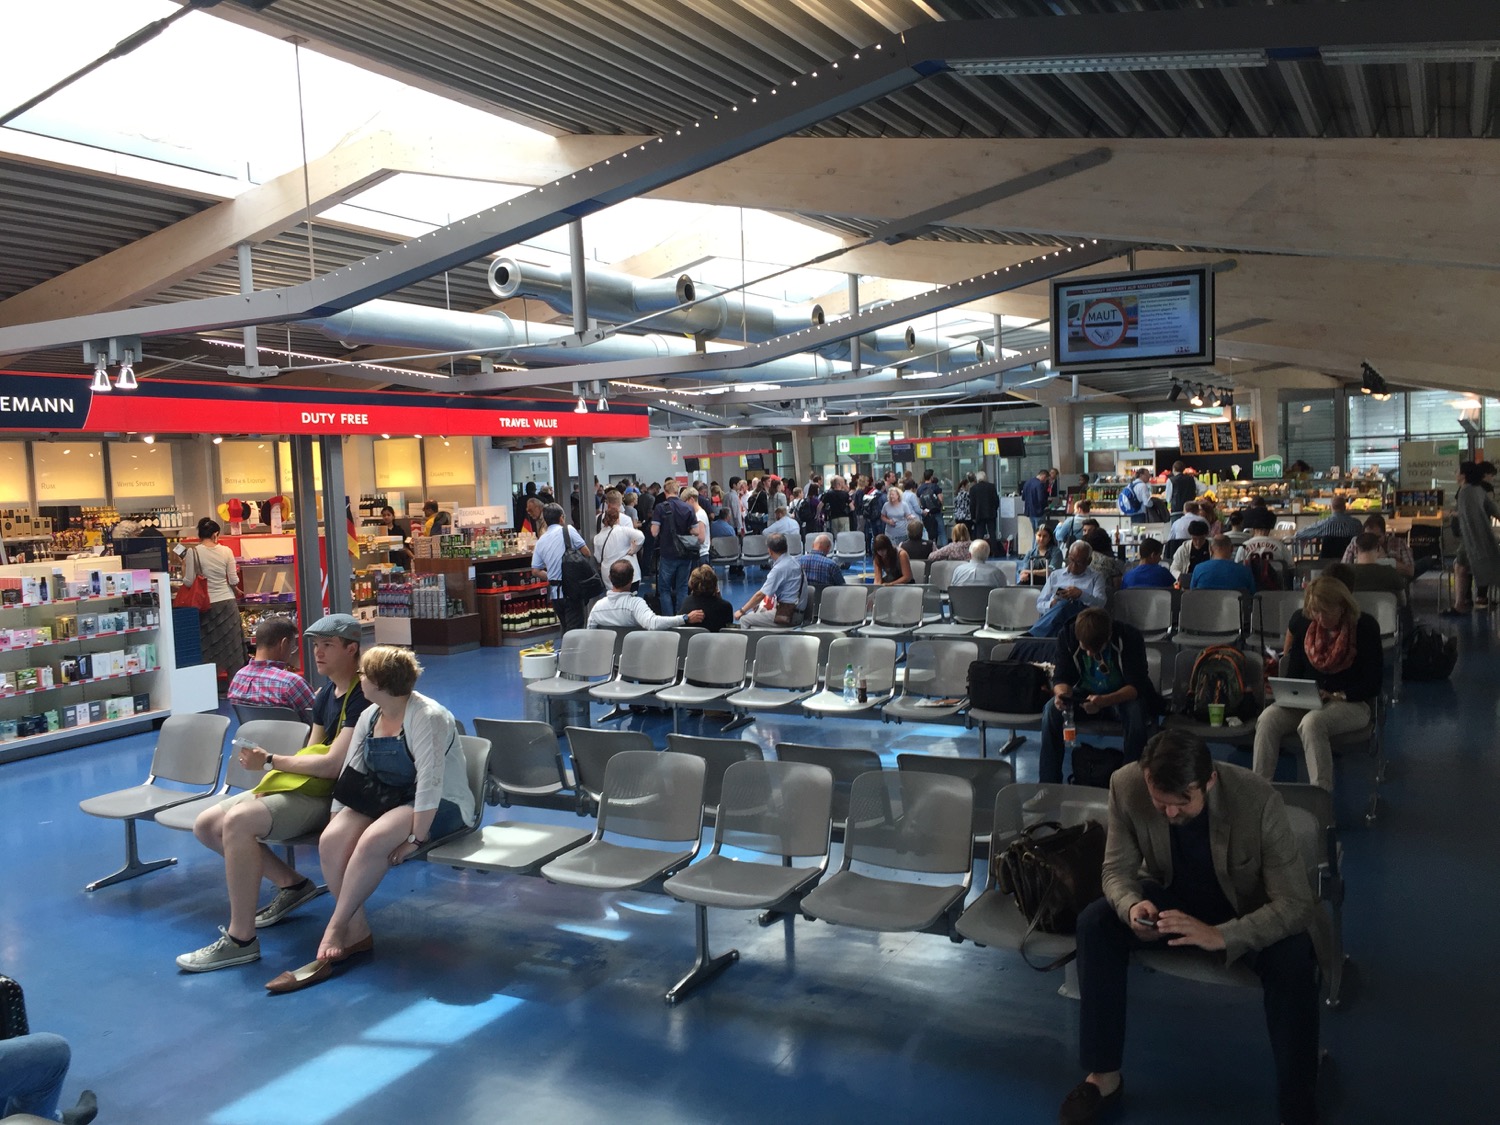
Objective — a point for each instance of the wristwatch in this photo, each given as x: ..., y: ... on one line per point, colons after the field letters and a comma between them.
x: 268, y: 767
x: 412, y: 839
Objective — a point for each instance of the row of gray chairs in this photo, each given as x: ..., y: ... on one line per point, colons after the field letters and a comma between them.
x: 906, y: 862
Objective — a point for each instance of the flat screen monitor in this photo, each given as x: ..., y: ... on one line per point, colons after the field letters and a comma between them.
x: 1012, y: 447
x: 755, y: 461
x: 692, y: 464
x: 1128, y: 321
x: 146, y: 552
x: 903, y: 450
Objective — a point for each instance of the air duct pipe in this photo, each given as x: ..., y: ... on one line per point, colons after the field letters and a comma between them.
x: 424, y: 328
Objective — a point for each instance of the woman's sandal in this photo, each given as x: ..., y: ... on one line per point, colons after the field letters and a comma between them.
x: 316, y: 972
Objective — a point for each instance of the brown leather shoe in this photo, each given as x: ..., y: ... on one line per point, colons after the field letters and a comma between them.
x: 314, y: 972
x: 365, y: 944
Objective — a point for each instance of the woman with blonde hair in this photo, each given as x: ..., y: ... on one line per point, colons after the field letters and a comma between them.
x: 405, y: 783
x: 703, y: 593
x: 1331, y: 642
x: 956, y: 548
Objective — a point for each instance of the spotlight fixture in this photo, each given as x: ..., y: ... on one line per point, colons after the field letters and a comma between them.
x: 806, y: 417
x: 1372, y: 382
x: 582, y: 407
x: 1197, y: 396
x: 125, y: 380
x: 149, y: 439
x: 548, y: 443
x: 1176, y: 392
x: 822, y: 415
x: 101, y: 384
x: 603, y: 404
x: 218, y: 439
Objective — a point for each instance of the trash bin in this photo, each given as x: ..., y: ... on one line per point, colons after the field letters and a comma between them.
x: 541, y: 664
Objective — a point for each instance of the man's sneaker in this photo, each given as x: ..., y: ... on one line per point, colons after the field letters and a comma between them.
x: 287, y: 899
x: 222, y: 954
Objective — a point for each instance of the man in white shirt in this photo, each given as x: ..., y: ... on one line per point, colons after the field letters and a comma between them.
x: 621, y: 609
x: 978, y: 571
x: 1190, y: 511
x: 547, y: 559
x: 1069, y: 591
x: 785, y: 525
x: 734, y: 505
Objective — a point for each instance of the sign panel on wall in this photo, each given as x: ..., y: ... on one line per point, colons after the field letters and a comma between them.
x: 247, y: 468
x: 924, y: 451
x: 284, y: 456
x: 140, y: 470
x: 992, y: 447
x: 15, y: 480
x: 68, y: 472
x: 398, y: 464
x: 1430, y: 464
x: 855, y: 446
x: 450, y: 461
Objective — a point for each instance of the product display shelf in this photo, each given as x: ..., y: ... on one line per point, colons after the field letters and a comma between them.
x: 159, y: 689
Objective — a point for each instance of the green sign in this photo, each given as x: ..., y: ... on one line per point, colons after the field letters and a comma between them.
x: 855, y: 446
x: 1269, y: 469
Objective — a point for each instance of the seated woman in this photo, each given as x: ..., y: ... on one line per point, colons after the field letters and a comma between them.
x: 956, y: 549
x: 703, y: 593
x: 406, y: 772
x: 886, y: 561
x: 1328, y: 640
x: 1044, y: 557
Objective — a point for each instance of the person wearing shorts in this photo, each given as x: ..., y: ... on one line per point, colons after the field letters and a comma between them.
x: 293, y: 800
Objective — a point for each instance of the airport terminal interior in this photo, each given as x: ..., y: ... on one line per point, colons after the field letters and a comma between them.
x: 365, y: 296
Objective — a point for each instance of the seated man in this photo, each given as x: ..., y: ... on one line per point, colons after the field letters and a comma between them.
x: 1193, y: 553
x: 1102, y: 670
x: 1148, y: 573
x: 978, y: 571
x: 784, y: 524
x: 1237, y: 532
x: 720, y: 527
x: 266, y: 681
x: 1339, y: 524
x: 32, y: 1069
x: 1258, y: 516
x: 784, y: 583
x: 291, y: 801
x: 1201, y: 854
x: 1374, y: 570
x: 1190, y: 511
x: 1076, y: 587
x: 1280, y: 554
x: 1389, y: 546
x: 622, y: 609
x: 817, y: 567
x: 1221, y: 572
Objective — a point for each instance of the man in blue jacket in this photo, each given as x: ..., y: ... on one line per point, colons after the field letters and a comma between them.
x: 1034, y: 497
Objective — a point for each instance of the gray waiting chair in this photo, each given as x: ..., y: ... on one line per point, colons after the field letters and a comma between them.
x: 935, y: 682
x: 913, y: 824
x: 968, y: 607
x: 842, y: 608
x: 649, y: 795
x: 249, y: 712
x: 585, y: 657
x: 1270, y: 614
x: 753, y: 551
x: 1209, y: 617
x: 1149, y: 610
x: 767, y: 808
x: 918, y: 571
x: 897, y: 613
x: 648, y: 663
x: 845, y: 763
x: 718, y: 755
x: 1009, y: 612
x: 940, y: 574
x: 275, y: 736
x: 591, y: 751
x: 713, y: 667
x: 189, y: 751
x: 1385, y: 608
x: 994, y: 919
x: 849, y: 548
x: 783, y: 674
x: 724, y: 550
x: 526, y: 764
x: 987, y: 775
x: 874, y: 660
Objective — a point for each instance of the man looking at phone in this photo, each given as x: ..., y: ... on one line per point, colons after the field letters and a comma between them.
x: 291, y: 801
x: 1200, y: 855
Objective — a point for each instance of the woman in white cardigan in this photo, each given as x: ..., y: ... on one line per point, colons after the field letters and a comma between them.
x: 356, y: 850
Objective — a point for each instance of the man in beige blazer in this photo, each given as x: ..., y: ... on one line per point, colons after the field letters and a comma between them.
x: 1200, y: 854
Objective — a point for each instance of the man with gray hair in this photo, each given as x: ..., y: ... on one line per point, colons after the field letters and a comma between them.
x: 1069, y: 592
x: 784, y: 583
x: 984, y: 506
x: 817, y: 567
x: 978, y: 571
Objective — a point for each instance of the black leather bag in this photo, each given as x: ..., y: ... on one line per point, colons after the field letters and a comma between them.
x: 1094, y: 765
x: 13, y: 1023
x: 1010, y: 686
x: 1054, y: 873
x: 367, y: 795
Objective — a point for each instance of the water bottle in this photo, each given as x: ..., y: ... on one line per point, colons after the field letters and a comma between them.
x: 851, y: 686
x: 1069, y: 725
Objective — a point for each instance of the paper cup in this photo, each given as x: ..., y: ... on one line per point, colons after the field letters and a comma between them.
x: 1216, y: 714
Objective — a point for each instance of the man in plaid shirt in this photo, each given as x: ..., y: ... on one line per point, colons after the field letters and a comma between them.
x: 817, y: 567
x: 267, y: 681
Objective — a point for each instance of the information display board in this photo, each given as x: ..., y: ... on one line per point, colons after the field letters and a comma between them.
x: 1126, y: 321
x: 1216, y: 437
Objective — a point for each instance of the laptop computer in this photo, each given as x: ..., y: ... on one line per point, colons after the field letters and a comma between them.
x: 1302, y: 694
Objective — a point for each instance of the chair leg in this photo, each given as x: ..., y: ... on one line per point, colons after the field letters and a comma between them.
x: 133, y: 865
x: 736, y: 723
x: 707, y: 966
x: 616, y: 712
x: 1012, y: 744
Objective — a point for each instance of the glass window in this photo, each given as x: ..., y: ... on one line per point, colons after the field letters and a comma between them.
x: 1370, y: 418
x: 1307, y: 432
x: 1436, y: 413
x: 1106, y: 431
x: 1159, y: 429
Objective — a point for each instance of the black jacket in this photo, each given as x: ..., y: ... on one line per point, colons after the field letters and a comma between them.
x: 984, y: 500
x: 1129, y: 646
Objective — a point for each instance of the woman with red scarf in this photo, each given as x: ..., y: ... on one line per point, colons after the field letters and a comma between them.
x: 1330, y: 641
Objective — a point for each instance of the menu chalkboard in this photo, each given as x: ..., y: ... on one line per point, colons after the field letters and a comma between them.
x: 1187, y: 440
x: 1244, y: 437
x: 1224, y: 437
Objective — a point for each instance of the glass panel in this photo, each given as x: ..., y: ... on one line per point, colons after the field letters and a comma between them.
x: 1307, y: 433
x: 1383, y: 453
x: 1369, y: 418
x: 138, y: 470
x: 1106, y: 431
x: 450, y: 461
x: 247, y: 468
x: 1159, y: 429
x: 1437, y: 412
x: 15, y: 481
x: 398, y: 464
x: 69, y: 472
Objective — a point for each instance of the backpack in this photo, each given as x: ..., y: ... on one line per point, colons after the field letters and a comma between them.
x: 1430, y: 656
x: 580, y: 576
x: 874, y: 503
x: 1218, y: 676
x: 932, y: 501
x: 1263, y: 568
x: 1009, y: 686
x: 1129, y: 503
x: 1094, y: 765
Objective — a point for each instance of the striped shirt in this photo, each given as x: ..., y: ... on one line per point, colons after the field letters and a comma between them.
x: 267, y: 683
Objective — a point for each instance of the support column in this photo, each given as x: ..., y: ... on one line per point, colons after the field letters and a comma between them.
x: 247, y: 286
x: 578, y: 277
x: 1340, y: 431
x: 1063, y: 421
x: 559, y: 453
x: 854, y: 356
x: 801, y: 453
x: 586, y: 507
x: 1265, y: 408
x: 339, y: 566
x: 305, y: 519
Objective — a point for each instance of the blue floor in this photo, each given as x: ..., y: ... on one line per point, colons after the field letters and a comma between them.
x: 493, y: 998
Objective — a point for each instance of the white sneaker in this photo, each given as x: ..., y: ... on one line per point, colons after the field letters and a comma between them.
x: 287, y: 899
x: 222, y: 954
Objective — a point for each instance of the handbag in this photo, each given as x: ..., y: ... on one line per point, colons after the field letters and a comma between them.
x: 1094, y: 765
x: 1009, y: 686
x: 786, y: 612
x: 194, y: 594
x: 13, y: 1023
x: 1054, y: 873
x: 371, y: 794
